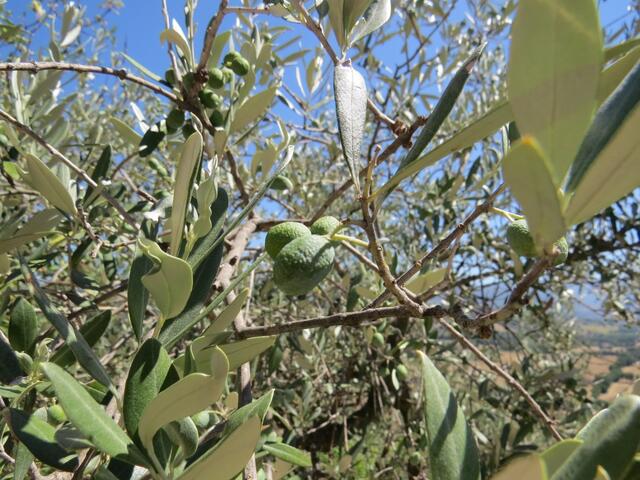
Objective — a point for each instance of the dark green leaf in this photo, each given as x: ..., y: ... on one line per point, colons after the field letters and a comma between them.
x: 150, y: 140
x: 92, y: 330
x: 23, y: 326
x: 137, y: 295
x: 39, y: 437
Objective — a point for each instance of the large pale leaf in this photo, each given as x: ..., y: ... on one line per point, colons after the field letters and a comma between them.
x: 351, y: 108
x: 614, y: 173
x: 39, y: 437
x: 336, y: 9
x: 190, y: 154
x: 376, y: 16
x: 556, y: 55
x: 611, y: 442
x: 49, y: 185
x: 144, y: 381
x: 352, y: 10
x: 427, y: 280
x: 229, y: 456
x: 253, y: 109
x: 452, y: 448
x: 528, y: 175
x: 188, y: 396
x: 475, y: 131
x: 86, y: 415
x: 530, y: 467
x: 615, y: 73
x: 170, y: 282
x: 557, y: 454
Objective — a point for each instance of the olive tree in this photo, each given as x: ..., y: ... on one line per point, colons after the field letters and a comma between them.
x: 333, y: 239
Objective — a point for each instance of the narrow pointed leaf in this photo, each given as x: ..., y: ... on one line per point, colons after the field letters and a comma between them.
x: 336, y: 11
x: 178, y: 40
x: 350, y: 93
x: 228, y: 315
x: 556, y: 55
x: 246, y: 350
x: 228, y: 457
x: 257, y: 408
x: 86, y: 415
x: 74, y: 340
x: 92, y: 330
x: 452, y: 448
x: 528, y: 175
x: 613, y: 75
x: 128, y: 134
x: 475, y: 131
x: 530, y: 467
x: 137, y: 294
x: 187, y: 165
x: 289, y: 454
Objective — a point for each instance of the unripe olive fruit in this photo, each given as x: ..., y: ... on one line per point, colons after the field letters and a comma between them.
x: 216, y: 118
x: 282, y: 234
x: 377, y: 340
x: 402, y: 373
x: 325, y: 226
x: 227, y: 74
x: 209, y: 99
x: 216, y: 78
x: 302, y: 264
x: 201, y: 419
x: 175, y: 119
x: 237, y: 63
x: 170, y: 77
x: 280, y: 182
x: 188, y: 80
x: 188, y: 129
x: 56, y: 415
x: 415, y: 459
x: 520, y: 239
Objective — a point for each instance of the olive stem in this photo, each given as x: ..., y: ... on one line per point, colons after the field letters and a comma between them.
x: 508, y: 215
x: 346, y: 238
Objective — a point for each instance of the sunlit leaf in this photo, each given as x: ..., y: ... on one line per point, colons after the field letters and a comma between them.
x: 49, y: 185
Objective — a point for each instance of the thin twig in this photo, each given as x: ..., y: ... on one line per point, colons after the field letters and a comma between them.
x: 512, y: 382
x: 72, y: 166
x: 121, y: 73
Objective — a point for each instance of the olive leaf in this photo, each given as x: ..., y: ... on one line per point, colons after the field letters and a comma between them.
x: 556, y: 55
x: 426, y: 280
x: 350, y: 93
x: 246, y: 350
x: 615, y: 73
x: 257, y: 408
x: 137, y: 294
x: 611, y: 442
x: 206, y: 194
x: 190, y: 155
x: 289, y: 454
x: 528, y: 174
x: 376, y: 15
x: 36, y: 227
x: 179, y: 40
x: 476, y: 130
x: 190, y: 395
x: 87, y: 416
x: 91, y: 330
x: 146, y: 376
x: 252, y: 109
x: 128, y: 134
x: 452, y: 448
x: 229, y: 456
x: 554, y: 456
x: 41, y: 178
x: 530, y: 467
x: 39, y: 437
x: 228, y: 315
x: 170, y: 282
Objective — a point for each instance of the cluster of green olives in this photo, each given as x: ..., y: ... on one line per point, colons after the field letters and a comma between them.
x: 233, y: 63
x: 521, y: 241
x: 302, y: 256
